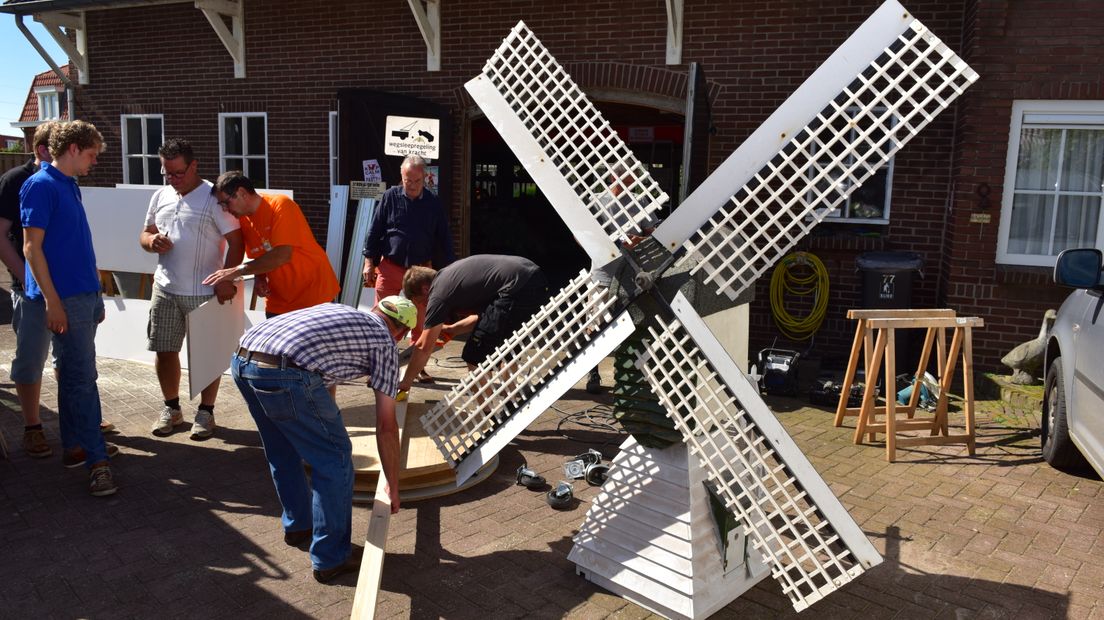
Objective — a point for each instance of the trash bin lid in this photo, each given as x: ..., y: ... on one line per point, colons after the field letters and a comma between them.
x: 889, y: 261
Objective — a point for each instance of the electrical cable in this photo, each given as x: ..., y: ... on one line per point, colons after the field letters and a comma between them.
x: 786, y: 279
x: 596, y: 418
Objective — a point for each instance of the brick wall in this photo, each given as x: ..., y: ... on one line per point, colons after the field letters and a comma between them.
x: 1023, y: 50
x: 754, y: 54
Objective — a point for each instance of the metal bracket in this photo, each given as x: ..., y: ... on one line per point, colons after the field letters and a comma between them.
x: 429, y: 23
x: 232, y: 37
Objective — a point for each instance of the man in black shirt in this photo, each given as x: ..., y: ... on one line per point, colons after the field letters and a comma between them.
x: 32, y: 338
x: 489, y: 295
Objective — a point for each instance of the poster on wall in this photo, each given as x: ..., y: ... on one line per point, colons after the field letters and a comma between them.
x: 372, y: 172
x: 405, y: 135
x: 431, y: 175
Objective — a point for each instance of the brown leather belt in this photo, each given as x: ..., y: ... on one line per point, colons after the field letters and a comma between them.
x: 266, y: 359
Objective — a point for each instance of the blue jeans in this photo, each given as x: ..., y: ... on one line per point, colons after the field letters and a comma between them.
x: 79, y: 413
x: 32, y: 339
x: 299, y: 421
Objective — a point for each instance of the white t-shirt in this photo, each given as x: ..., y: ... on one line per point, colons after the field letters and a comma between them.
x: 197, y: 227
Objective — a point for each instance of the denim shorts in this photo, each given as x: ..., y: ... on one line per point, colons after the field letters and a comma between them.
x: 32, y: 338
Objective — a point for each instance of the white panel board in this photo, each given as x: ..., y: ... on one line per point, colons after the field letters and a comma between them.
x: 122, y: 335
x: 353, y: 285
x: 116, y: 217
x: 213, y: 333
x: 335, y: 232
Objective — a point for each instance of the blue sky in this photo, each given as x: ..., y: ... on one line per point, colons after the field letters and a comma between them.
x: 20, y: 64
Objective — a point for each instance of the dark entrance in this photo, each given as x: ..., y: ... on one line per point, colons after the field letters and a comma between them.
x: 509, y: 215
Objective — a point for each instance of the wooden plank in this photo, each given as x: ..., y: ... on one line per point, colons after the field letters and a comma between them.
x: 375, y: 544
x: 903, y: 313
x: 907, y: 323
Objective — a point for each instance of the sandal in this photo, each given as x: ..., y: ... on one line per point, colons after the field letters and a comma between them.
x: 423, y: 377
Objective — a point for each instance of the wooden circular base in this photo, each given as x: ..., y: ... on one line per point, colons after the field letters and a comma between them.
x: 424, y: 472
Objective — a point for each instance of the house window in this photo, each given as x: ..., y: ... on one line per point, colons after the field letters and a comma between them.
x: 142, y: 136
x: 48, y: 106
x: 1054, y: 181
x: 869, y: 203
x: 243, y: 145
x: 333, y: 148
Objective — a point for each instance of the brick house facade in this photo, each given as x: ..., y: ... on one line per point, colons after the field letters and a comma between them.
x: 166, y: 60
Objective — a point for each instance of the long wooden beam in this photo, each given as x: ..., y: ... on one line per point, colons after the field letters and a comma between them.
x: 375, y: 544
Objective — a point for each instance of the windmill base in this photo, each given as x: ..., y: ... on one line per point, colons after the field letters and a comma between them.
x: 650, y: 537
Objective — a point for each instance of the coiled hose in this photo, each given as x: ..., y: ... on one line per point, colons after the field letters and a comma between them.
x: 800, y: 274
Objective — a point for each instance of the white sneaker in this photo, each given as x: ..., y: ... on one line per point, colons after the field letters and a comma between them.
x: 204, y: 425
x: 169, y: 418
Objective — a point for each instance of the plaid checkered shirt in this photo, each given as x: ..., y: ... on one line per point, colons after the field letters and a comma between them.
x: 334, y: 340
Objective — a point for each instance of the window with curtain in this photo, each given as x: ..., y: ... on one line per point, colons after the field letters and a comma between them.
x: 243, y: 145
x: 1054, y: 181
x: 142, y: 136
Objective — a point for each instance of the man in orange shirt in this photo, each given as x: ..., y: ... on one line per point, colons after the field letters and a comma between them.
x: 288, y: 265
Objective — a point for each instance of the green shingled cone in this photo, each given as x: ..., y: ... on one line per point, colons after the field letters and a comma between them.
x: 635, y: 406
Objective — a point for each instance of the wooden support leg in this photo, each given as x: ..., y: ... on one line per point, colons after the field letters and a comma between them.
x: 918, y: 378
x: 371, y: 566
x: 866, y: 415
x: 945, y: 381
x: 968, y: 385
x: 849, y: 376
x: 891, y: 394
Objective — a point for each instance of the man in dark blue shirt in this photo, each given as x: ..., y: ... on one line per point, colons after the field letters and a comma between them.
x: 409, y: 227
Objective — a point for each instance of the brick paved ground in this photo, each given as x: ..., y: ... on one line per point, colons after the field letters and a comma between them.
x: 194, y: 529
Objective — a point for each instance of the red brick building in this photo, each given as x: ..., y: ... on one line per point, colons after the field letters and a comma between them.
x: 159, y: 69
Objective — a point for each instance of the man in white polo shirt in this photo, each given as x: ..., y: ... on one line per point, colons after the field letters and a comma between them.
x: 191, y: 234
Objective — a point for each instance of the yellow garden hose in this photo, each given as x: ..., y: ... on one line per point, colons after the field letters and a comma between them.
x: 800, y: 274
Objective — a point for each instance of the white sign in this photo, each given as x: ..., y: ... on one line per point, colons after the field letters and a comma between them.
x: 359, y: 190
x: 404, y: 135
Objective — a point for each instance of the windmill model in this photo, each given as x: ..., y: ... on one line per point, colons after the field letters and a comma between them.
x: 876, y: 92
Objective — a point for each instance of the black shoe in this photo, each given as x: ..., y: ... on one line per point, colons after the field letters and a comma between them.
x: 350, y: 565
x: 294, y: 539
x: 594, y: 383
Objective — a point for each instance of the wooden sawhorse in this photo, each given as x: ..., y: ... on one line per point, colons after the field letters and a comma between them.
x: 881, y: 331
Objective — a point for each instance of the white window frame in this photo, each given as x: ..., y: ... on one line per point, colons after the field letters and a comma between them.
x: 333, y: 147
x: 127, y: 156
x: 1056, y: 114
x: 47, y: 94
x: 837, y: 216
x: 223, y: 156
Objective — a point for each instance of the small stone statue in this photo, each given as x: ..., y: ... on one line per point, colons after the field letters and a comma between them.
x: 1026, y: 360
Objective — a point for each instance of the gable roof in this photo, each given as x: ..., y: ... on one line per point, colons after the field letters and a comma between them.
x: 46, y: 79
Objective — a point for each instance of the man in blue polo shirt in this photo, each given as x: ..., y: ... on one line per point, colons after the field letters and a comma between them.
x: 61, y: 274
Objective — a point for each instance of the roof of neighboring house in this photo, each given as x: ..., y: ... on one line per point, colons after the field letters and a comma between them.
x: 44, y: 79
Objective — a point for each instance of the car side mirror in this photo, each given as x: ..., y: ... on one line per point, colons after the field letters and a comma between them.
x: 1078, y: 268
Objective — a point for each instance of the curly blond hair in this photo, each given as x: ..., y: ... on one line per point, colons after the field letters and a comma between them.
x: 82, y: 133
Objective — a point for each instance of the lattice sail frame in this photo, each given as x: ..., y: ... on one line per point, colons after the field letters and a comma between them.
x: 786, y: 192
x: 792, y: 518
x: 492, y: 393
x: 565, y: 144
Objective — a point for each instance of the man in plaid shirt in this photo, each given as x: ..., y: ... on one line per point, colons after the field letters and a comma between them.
x: 286, y: 370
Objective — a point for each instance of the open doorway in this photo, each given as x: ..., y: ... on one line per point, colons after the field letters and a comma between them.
x: 510, y: 215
